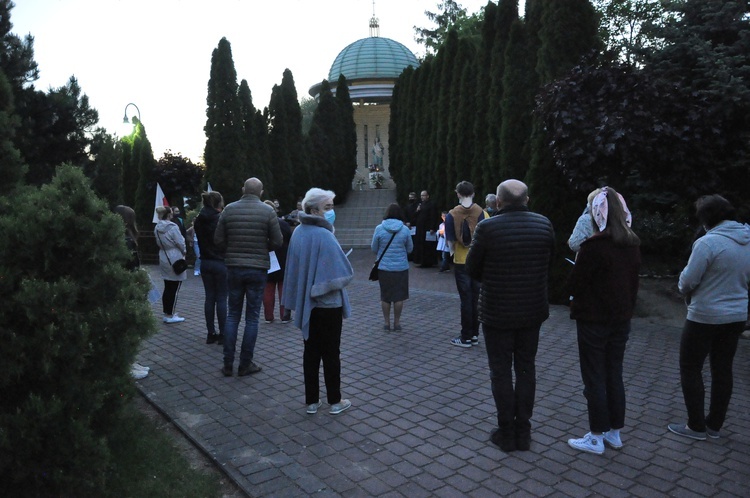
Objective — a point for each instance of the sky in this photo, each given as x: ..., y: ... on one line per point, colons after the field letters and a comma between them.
x: 156, y: 54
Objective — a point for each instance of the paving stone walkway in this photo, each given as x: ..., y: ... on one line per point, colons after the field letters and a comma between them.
x: 422, y: 409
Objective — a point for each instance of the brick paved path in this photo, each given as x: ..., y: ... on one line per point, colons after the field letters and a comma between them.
x: 422, y: 409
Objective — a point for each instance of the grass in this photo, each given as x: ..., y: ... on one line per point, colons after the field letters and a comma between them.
x: 146, y: 463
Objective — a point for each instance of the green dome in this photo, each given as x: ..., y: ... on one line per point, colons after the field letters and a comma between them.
x: 372, y: 57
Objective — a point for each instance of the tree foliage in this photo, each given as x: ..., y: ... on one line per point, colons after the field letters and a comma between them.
x: 225, y: 154
x: 450, y: 15
x: 70, y: 324
x: 179, y: 177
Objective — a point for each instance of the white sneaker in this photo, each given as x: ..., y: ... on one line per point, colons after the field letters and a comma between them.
x: 339, y: 407
x: 612, y: 440
x: 138, y: 374
x: 588, y: 443
x: 312, y: 409
x: 173, y: 319
x: 138, y: 366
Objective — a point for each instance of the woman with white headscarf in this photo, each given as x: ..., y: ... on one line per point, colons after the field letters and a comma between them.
x: 603, y: 287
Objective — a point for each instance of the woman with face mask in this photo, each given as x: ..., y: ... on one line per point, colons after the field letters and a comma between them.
x: 316, y: 275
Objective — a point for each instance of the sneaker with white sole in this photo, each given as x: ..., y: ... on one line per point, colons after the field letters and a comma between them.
x: 461, y: 343
x: 339, y: 407
x: 612, y: 440
x: 138, y: 366
x: 173, y: 319
x: 138, y: 374
x: 312, y: 409
x: 712, y: 433
x: 685, y: 431
x: 474, y: 340
x: 588, y: 443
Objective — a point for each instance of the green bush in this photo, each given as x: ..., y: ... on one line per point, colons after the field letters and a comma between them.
x: 71, y: 320
x: 664, y: 235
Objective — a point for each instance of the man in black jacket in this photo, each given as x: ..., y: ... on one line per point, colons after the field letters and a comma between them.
x: 510, y: 255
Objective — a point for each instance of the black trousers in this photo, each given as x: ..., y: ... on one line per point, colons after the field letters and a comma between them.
x: 601, y: 349
x: 509, y: 351
x: 719, y: 343
x: 169, y: 296
x: 323, y: 343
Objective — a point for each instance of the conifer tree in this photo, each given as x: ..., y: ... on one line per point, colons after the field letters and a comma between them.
x: 105, y: 171
x: 507, y: 14
x: 520, y: 85
x: 12, y: 169
x: 256, y: 166
x: 326, y: 146
x: 144, y: 163
x: 286, y: 143
x: 225, y: 154
x: 568, y: 31
x: 71, y: 320
x: 461, y: 127
x: 439, y: 185
x: 348, y: 131
x: 479, y: 159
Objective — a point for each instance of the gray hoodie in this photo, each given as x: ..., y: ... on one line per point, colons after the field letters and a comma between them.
x: 716, y: 277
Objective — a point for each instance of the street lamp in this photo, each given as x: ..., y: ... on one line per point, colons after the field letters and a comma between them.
x: 128, y: 123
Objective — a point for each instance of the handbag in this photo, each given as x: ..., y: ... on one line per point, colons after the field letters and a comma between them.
x: 374, y: 272
x: 178, y: 266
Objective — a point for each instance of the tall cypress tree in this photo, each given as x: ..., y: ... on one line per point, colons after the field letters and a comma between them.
x: 440, y: 186
x: 507, y: 13
x: 142, y: 160
x: 348, y: 132
x: 326, y: 146
x: 301, y: 178
x: 461, y: 128
x: 225, y: 154
x: 520, y: 85
x: 256, y: 166
x: 484, y: 62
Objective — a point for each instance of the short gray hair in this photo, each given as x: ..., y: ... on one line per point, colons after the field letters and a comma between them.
x: 315, y: 197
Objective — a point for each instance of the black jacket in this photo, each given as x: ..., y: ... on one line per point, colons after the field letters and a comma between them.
x: 205, y: 226
x: 511, y: 255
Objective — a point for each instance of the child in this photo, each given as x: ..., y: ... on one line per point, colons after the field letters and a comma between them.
x: 442, y: 247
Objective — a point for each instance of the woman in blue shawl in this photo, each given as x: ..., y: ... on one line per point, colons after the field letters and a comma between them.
x: 316, y: 274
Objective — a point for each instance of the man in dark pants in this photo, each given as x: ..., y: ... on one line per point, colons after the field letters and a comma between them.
x: 428, y: 221
x: 510, y: 255
x: 247, y: 229
x: 410, y: 211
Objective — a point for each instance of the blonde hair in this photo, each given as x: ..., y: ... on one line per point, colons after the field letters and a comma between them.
x: 162, y: 212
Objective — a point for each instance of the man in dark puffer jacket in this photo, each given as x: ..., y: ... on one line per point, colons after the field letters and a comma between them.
x: 511, y: 255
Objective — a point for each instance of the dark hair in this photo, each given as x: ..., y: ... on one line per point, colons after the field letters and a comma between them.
x: 393, y: 212
x: 128, y: 216
x: 465, y: 189
x: 212, y: 199
x: 617, y: 225
x: 713, y: 209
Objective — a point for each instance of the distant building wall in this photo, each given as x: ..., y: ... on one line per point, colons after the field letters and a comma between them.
x: 371, y: 121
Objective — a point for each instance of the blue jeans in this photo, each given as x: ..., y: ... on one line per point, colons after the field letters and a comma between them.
x: 468, y: 291
x: 214, y: 276
x: 244, y: 284
x: 601, y: 349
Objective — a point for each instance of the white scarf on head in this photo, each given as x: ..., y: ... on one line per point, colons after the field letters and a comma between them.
x: 600, y: 209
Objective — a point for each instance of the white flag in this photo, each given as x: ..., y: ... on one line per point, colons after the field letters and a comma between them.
x: 208, y: 187
x: 159, y: 201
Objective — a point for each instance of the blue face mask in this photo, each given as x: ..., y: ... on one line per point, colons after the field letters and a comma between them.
x: 330, y: 216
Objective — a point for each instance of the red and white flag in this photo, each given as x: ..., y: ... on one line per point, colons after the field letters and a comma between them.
x: 160, y: 200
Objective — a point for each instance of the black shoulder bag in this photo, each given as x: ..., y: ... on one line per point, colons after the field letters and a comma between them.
x: 374, y: 272
x: 178, y: 266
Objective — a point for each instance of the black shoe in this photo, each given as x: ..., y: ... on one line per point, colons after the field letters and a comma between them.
x: 523, y: 442
x: 248, y: 370
x: 506, y: 442
x: 212, y: 338
x: 227, y: 370
x: 220, y: 339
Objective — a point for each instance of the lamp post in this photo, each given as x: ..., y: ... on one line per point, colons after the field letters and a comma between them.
x: 128, y: 122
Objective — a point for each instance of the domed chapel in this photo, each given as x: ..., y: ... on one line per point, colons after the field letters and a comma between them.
x: 371, y: 67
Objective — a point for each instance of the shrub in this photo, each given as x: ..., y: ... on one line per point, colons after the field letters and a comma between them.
x: 71, y: 319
